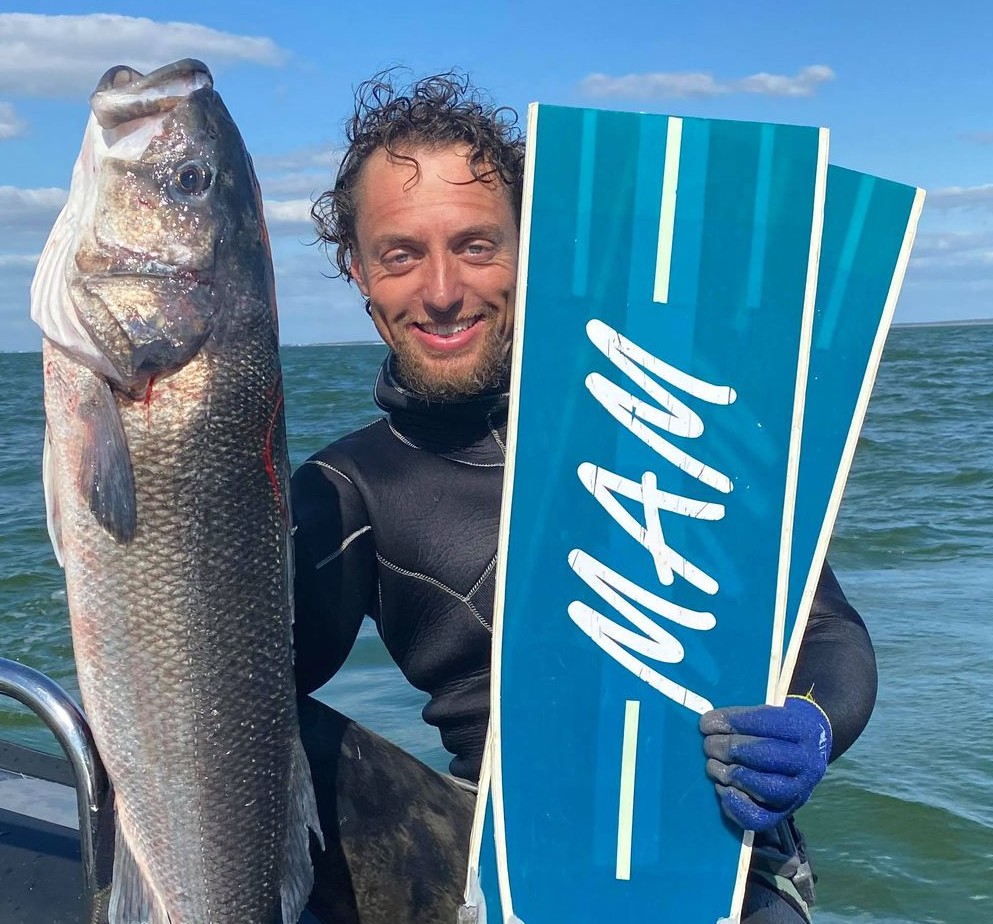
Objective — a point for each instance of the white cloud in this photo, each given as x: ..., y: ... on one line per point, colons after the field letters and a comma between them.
x: 940, y: 252
x: 29, y: 210
x: 18, y: 331
x: 19, y: 260
x: 288, y: 215
x: 658, y: 86
x: 681, y: 84
x: 804, y: 83
x: 297, y: 175
x: 962, y: 197
x: 66, y: 55
x: 310, y: 158
x: 297, y: 185
x: 312, y: 307
x: 10, y: 124
x: 950, y: 276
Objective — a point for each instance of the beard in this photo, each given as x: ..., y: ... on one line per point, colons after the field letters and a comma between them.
x: 438, y: 380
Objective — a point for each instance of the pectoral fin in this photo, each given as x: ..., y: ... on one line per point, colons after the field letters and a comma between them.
x: 106, y: 476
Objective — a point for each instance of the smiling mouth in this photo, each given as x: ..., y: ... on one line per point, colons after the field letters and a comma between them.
x: 447, y: 330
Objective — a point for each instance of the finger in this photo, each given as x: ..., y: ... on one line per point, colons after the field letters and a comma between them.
x: 759, y: 721
x: 745, y: 812
x: 768, y: 755
x: 720, y: 772
x: 779, y: 793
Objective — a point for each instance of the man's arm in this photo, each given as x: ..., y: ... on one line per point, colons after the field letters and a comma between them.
x: 837, y: 664
x: 335, y: 571
x: 766, y: 760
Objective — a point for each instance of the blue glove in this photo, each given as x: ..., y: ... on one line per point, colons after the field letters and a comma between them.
x: 766, y: 760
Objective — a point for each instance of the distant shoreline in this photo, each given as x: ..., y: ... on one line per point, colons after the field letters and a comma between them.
x: 969, y: 322
x: 338, y: 343
x: 282, y: 346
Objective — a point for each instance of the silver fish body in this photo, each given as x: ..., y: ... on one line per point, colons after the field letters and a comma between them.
x: 166, y: 476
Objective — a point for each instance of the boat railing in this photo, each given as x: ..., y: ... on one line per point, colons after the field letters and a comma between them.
x: 60, y: 713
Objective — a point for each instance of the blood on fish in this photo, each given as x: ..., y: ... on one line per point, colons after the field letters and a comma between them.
x: 267, y: 457
x: 147, y: 401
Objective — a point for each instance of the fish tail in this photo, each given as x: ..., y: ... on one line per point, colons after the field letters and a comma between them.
x: 132, y: 899
x: 298, y: 870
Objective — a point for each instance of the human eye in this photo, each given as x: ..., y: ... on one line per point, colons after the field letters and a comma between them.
x: 397, y: 259
x: 478, y: 251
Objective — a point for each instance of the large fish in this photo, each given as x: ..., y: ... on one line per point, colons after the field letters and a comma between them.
x: 166, y: 479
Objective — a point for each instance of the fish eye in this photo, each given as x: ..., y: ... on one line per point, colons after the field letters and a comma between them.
x: 192, y: 178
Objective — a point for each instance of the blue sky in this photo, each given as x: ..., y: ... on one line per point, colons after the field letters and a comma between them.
x: 904, y: 87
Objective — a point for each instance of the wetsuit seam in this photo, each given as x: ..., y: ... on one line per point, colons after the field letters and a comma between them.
x: 436, y: 583
x: 482, y: 578
x: 473, y: 464
x: 330, y: 468
x: 341, y: 548
x: 407, y: 442
x: 401, y: 437
x: 368, y: 426
x: 496, y: 434
x: 379, y: 620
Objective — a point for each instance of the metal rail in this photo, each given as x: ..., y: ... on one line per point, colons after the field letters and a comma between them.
x: 63, y: 716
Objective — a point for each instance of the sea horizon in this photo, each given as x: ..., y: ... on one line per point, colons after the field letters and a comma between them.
x: 959, y: 322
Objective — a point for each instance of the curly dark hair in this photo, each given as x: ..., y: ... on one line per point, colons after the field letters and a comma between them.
x: 438, y: 111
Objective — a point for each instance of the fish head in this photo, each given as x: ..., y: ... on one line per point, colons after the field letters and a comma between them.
x: 137, y: 271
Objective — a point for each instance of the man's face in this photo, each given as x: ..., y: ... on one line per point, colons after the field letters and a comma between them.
x: 437, y: 257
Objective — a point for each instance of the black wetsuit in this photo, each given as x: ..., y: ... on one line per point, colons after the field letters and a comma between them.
x: 398, y: 521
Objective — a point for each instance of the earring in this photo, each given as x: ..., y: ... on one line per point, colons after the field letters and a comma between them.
x: 368, y: 307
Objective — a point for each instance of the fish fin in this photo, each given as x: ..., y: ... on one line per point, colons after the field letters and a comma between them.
x: 298, y: 869
x: 50, y: 480
x: 106, y: 476
x: 131, y: 898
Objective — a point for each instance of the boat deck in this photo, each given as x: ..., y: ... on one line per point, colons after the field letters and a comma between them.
x: 41, y: 877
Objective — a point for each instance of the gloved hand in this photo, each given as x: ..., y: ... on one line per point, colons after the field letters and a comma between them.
x: 766, y: 760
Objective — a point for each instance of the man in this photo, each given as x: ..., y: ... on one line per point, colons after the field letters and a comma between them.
x: 399, y: 520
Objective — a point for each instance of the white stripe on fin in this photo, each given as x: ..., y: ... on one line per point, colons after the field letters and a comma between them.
x: 625, y: 808
x: 667, y: 212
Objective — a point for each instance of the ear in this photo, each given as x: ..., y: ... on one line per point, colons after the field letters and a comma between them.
x: 357, y: 274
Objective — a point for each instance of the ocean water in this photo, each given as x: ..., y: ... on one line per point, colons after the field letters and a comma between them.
x: 901, y: 829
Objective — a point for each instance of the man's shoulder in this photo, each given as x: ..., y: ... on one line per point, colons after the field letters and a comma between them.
x: 335, y: 476
x: 353, y: 449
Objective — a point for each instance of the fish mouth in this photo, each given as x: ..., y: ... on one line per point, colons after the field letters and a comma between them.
x: 122, y: 76
x: 124, y: 94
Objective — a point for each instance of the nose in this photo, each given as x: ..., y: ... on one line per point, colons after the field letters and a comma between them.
x: 443, y: 288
